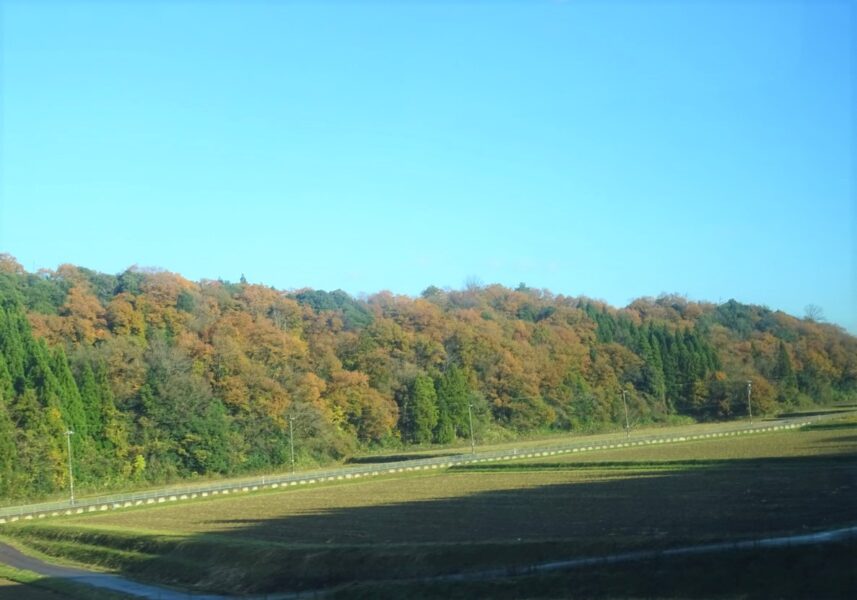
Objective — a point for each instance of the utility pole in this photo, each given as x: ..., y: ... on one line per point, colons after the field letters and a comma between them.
x: 749, y: 406
x: 470, y: 417
x: 68, y: 435
x: 292, y: 442
x: 627, y: 424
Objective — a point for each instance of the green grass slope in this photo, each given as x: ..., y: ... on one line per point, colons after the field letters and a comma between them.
x: 507, y: 515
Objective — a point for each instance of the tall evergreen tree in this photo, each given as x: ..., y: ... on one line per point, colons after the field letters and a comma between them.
x: 444, y: 431
x: 8, y: 449
x: 422, y: 408
x: 653, y: 370
x: 91, y: 403
x: 784, y: 375
x: 454, y: 395
x: 72, y: 408
x: 12, y: 343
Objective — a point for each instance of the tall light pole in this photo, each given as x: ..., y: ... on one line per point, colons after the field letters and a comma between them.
x: 749, y: 406
x: 292, y: 442
x: 470, y: 417
x: 627, y: 424
x: 68, y: 435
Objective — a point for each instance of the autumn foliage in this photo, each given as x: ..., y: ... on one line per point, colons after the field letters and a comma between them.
x: 162, y: 378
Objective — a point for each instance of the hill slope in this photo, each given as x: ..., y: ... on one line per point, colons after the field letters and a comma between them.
x: 161, y: 377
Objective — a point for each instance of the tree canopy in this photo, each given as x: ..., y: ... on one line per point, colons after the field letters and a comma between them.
x: 162, y: 378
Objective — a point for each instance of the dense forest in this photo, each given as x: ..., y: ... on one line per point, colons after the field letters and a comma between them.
x: 161, y: 378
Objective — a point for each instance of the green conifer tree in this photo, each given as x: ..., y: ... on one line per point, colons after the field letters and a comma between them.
x: 454, y: 394
x: 423, y: 410
x: 785, y: 375
x: 8, y: 449
x: 72, y: 408
x: 90, y: 400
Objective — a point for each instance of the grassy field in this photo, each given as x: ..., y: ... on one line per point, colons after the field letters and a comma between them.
x: 536, y: 440
x: 801, y: 573
x: 570, y: 437
x: 16, y: 584
x: 558, y: 438
x: 12, y: 590
x: 488, y: 515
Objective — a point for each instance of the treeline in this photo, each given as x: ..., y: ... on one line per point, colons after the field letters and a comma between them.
x: 162, y: 378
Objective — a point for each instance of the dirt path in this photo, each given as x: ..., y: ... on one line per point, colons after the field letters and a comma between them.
x: 12, y: 557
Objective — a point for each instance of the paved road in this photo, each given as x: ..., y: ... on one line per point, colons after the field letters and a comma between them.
x: 13, y: 558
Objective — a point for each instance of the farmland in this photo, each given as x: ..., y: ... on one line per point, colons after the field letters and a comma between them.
x: 481, y: 516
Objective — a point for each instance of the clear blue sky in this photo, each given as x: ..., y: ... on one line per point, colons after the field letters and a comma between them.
x: 612, y: 149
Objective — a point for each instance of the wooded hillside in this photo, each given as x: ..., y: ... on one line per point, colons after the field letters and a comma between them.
x: 160, y: 377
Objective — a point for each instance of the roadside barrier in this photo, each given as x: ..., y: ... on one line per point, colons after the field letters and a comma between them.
x: 268, y: 482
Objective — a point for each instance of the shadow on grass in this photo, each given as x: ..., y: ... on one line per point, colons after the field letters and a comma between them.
x: 390, y: 458
x: 20, y: 591
x: 633, y: 467
x: 815, y: 413
x: 50, y: 588
x: 843, y: 439
x: 830, y: 426
x: 522, y: 521
x: 828, y: 571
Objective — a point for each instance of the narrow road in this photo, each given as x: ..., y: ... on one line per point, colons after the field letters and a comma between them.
x: 12, y: 557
